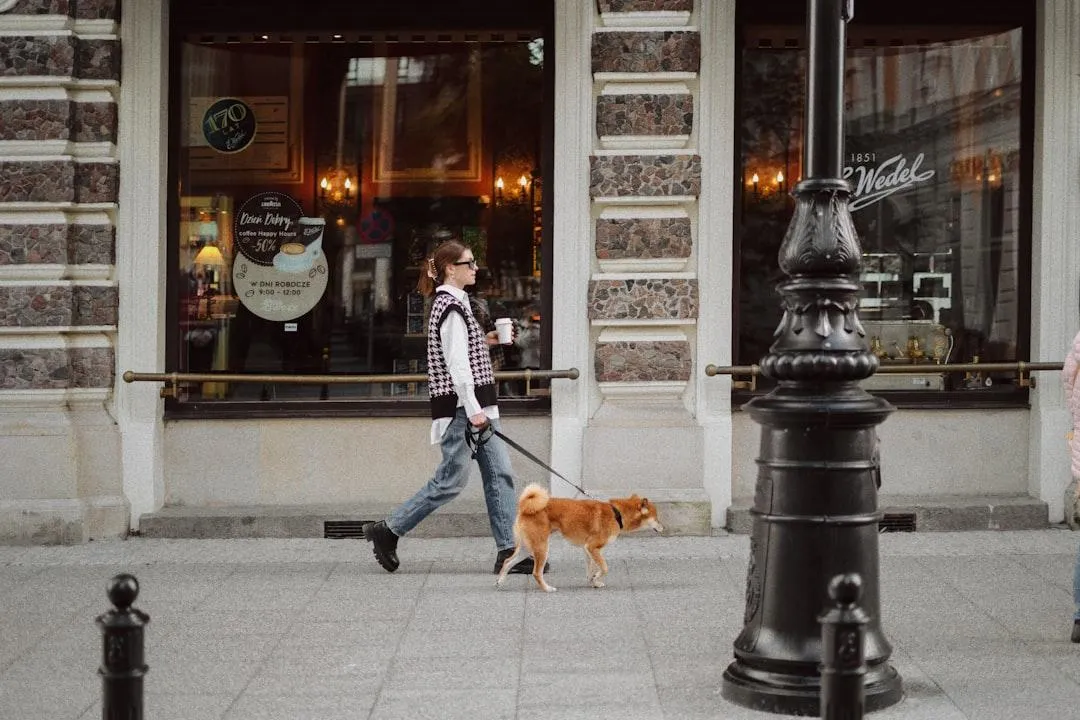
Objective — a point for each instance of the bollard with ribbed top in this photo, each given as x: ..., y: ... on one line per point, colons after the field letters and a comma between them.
x: 122, y: 664
x: 843, y: 669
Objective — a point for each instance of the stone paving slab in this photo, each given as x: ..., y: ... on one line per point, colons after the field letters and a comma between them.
x: 293, y: 629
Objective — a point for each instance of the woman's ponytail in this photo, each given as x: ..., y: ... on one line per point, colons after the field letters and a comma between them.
x: 428, y: 278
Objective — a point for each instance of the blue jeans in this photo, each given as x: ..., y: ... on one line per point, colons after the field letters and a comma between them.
x: 452, y: 475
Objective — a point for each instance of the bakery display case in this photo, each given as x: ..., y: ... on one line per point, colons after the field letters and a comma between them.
x: 921, y: 344
x: 905, y: 301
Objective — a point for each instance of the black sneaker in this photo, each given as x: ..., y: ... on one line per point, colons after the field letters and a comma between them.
x: 1076, y: 631
x: 524, y: 567
x: 383, y: 544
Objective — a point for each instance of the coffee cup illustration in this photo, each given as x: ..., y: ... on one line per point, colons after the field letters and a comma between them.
x: 292, y: 257
x: 300, y: 255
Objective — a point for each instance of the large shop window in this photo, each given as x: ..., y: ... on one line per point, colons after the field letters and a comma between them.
x: 936, y: 154
x: 315, y: 172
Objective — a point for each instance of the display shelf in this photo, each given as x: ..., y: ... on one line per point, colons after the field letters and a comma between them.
x: 920, y: 279
x: 935, y: 289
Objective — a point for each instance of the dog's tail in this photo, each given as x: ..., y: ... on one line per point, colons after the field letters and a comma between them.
x: 533, y: 500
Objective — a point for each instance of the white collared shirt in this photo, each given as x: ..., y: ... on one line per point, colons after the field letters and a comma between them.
x: 454, y: 335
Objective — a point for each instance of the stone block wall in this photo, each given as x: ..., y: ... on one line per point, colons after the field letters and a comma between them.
x: 645, y: 179
x: 59, y: 176
x: 644, y: 183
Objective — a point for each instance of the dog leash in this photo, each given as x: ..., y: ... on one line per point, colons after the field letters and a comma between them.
x: 475, y: 437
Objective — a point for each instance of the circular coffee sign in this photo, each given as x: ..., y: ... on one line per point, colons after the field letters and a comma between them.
x: 264, y: 224
x: 284, y: 291
x: 229, y: 125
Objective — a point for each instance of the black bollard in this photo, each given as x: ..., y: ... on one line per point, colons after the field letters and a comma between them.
x: 122, y: 665
x: 843, y: 635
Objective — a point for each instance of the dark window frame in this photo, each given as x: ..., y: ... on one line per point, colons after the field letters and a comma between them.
x: 922, y: 13
x: 247, y: 20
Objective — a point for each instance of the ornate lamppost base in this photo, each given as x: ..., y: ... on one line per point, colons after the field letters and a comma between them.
x: 815, y: 499
x: 790, y: 694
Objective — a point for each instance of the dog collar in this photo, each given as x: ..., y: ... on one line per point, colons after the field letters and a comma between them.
x: 618, y: 515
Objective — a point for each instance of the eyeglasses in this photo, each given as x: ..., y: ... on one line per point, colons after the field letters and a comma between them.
x: 471, y: 263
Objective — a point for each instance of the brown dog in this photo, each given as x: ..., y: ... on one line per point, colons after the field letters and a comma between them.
x: 592, y: 524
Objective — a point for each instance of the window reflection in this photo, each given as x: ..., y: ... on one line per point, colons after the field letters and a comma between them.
x: 315, y: 177
x: 933, y: 154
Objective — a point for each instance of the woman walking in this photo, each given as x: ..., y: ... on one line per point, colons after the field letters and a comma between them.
x: 461, y: 386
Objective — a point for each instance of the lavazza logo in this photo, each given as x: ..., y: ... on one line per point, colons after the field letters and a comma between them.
x: 874, y: 184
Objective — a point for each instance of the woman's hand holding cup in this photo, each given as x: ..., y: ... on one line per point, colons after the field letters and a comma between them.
x: 505, y: 329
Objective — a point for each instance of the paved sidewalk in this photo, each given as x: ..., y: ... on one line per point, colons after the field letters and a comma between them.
x: 314, y: 629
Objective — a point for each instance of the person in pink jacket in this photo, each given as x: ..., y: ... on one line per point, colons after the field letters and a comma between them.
x: 1072, y: 401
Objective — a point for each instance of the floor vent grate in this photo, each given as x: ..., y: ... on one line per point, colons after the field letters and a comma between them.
x: 897, y: 522
x: 344, y: 529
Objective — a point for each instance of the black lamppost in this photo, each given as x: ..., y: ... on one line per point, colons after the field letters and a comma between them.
x: 815, y: 509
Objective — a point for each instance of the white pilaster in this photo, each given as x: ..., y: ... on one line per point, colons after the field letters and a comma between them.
x: 574, y: 21
x: 141, y: 245
x: 1055, y: 283
x: 716, y: 130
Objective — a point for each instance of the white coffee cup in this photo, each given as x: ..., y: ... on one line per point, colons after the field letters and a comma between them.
x: 505, y: 327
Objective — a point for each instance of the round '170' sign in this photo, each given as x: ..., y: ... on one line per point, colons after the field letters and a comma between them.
x: 229, y: 125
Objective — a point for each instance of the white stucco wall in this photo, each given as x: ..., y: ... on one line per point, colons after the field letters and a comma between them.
x: 926, y: 452
x: 1055, y: 263
x: 319, y: 460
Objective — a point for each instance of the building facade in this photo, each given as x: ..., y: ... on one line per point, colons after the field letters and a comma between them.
x: 251, y: 189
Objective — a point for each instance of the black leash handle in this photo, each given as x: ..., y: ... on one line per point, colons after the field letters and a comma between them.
x: 476, y: 436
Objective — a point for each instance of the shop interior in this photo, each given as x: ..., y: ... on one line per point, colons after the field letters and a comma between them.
x: 933, y: 156
x: 397, y: 146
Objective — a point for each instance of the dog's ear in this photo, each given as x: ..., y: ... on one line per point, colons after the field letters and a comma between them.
x: 645, y: 505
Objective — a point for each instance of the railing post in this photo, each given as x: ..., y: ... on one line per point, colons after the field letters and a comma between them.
x: 843, y: 637
x: 122, y: 664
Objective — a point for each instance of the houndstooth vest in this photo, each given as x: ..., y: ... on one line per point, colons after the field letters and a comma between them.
x: 444, y: 400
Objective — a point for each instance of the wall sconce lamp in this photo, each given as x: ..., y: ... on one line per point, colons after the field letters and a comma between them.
x: 519, y: 196
x: 336, y: 187
x: 767, y: 189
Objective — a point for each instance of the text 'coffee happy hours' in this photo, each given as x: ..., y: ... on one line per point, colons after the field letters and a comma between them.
x: 264, y: 223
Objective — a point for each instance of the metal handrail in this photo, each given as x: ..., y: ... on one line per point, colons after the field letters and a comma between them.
x: 1021, y: 368
x: 907, y: 369
x: 175, y: 379
x: 130, y: 376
